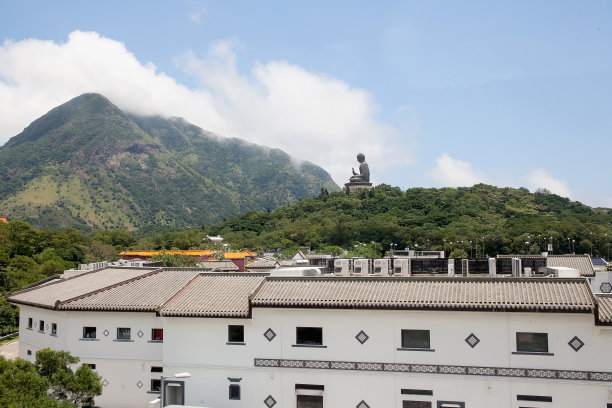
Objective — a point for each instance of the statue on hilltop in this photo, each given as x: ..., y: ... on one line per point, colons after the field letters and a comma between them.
x: 359, y: 181
x: 364, y: 171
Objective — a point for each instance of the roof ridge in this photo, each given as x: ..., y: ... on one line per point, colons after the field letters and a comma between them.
x: 173, y: 297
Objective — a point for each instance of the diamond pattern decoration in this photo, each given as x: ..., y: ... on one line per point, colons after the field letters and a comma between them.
x: 363, y: 404
x: 606, y: 287
x: 362, y: 337
x: 472, y: 340
x: 47, y: 327
x: 140, y: 333
x: 104, y: 383
x: 270, y: 335
x: 139, y: 384
x: 270, y: 401
x: 105, y: 333
x: 576, y: 343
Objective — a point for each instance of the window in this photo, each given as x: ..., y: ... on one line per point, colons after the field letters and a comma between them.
x: 30, y: 323
x: 415, y: 339
x: 416, y: 404
x: 309, y: 336
x: 234, y: 392
x: 92, y: 366
x: 309, y: 401
x: 156, y: 385
x: 54, y: 328
x: 124, y: 333
x: 29, y: 352
x: 532, y: 342
x: 451, y: 404
x: 89, y: 332
x: 235, y: 334
x: 538, y: 398
x: 157, y: 334
x: 41, y: 325
x: 157, y: 369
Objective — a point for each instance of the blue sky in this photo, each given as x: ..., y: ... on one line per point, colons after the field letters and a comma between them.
x: 443, y: 93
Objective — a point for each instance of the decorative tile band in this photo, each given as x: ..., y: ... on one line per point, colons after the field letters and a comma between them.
x: 437, y: 369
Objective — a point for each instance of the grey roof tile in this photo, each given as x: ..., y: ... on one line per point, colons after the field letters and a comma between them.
x: 580, y: 262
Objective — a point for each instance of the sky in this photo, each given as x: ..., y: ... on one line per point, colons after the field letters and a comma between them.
x: 435, y: 94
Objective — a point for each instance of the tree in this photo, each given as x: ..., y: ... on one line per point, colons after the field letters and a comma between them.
x: 78, y: 387
x: 458, y: 253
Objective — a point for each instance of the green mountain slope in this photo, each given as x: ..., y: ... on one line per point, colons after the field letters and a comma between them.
x: 86, y: 164
x: 504, y: 219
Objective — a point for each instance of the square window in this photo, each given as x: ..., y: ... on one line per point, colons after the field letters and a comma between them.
x: 235, y: 333
x: 92, y: 366
x: 532, y: 342
x: 312, y: 336
x: 234, y: 392
x: 30, y: 322
x: 41, y: 325
x: 416, y: 404
x: 157, y: 369
x: 156, y: 385
x: 415, y: 339
x: 54, y: 328
x: 157, y: 334
x: 89, y: 332
x: 124, y: 333
x: 309, y: 401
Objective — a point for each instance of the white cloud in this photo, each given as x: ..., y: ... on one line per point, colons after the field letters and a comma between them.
x: 540, y: 178
x: 196, y: 16
x: 309, y: 115
x: 451, y: 172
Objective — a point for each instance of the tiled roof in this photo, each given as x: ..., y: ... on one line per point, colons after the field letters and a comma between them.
x: 194, y: 252
x: 533, y: 294
x: 219, y: 265
x: 262, y: 264
x: 580, y: 262
x: 47, y: 295
x: 604, y: 303
x: 215, y: 295
x: 145, y: 293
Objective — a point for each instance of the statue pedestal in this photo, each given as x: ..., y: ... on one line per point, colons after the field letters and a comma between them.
x: 354, y: 187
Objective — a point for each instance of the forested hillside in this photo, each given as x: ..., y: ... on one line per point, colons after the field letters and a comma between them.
x: 503, y: 218
x: 88, y: 165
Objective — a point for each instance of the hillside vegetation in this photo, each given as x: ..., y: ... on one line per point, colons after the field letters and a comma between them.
x: 504, y: 218
x: 88, y: 165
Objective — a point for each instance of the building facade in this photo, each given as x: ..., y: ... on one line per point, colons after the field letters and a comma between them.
x: 250, y: 340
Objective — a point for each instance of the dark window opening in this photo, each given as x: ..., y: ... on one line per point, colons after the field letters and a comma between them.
x: 309, y: 401
x: 156, y: 385
x: 409, y: 391
x: 29, y: 352
x: 309, y: 335
x: 30, y: 322
x: 532, y: 342
x: 157, y: 369
x: 539, y: 398
x: 124, y: 333
x: 234, y: 392
x: 415, y: 339
x: 157, y: 334
x: 92, y: 366
x: 89, y: 332
x: 235, y: 333
x: 41, y: 325
x: 53, y: 328
x: 416, y: 404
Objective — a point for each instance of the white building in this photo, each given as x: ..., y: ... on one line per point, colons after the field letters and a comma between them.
x: 250, y: 340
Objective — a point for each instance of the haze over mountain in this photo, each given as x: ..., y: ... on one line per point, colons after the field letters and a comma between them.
x: 87, y: 164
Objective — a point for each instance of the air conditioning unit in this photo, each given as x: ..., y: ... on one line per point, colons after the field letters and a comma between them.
x: 492, y: 267
x: 362, y: 267
x: 382, y: 266
x: 516, y: 267
x: 401, y: 266
x: 342, y: 267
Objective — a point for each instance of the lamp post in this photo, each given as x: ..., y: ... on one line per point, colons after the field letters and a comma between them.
x: 527, y: 245
x: 573, y: 247
x: 569, y: 245
x: 161, y: 393
x: 483, y: 248
x: 470, y: 249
